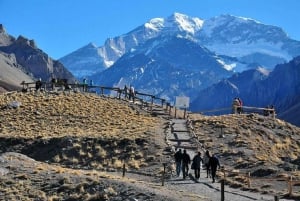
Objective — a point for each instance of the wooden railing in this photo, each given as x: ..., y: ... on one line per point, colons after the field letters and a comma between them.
x: 249, y: 180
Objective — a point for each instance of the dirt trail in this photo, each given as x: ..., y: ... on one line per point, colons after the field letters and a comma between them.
x: 180, y: 137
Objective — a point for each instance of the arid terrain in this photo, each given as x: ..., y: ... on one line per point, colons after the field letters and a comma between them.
x: 72, y: 146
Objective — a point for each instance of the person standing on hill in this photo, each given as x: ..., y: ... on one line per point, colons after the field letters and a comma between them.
x: 240, y: 108
x: 197, y: 160
x: 178, y: 161
x: 206, y: 163
x: 235, y: 106
x: 186, y: 160
x: 214, y: 164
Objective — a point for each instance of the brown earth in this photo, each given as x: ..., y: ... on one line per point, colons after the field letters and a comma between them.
x: 72, y: 146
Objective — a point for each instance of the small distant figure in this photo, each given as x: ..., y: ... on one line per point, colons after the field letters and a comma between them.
x: 91, y: 83
x: 38, y: 84
x: 197, y: 160
x: 236, y: 106
x: 178, y: 161
x: 84, y: 82
x: 214, y: 164
x: 240, y: 108
x: 53, y: 83
x: 131, y: 93
x: 186, y: 160
x: 272, y: 111
x: 125, y: 91
x: 206, y: 163
x: 269, y: 111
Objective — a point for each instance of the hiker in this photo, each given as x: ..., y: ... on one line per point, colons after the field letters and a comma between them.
x: 214, y: 164
x: 196, y: 164
x: 84, y: 84
x: 206, y: 163
x: 178, y: 160
x: 240, y: 108
x: 235, y: 105
x: 38, y: 84
x: 53, y: 83
x: 272, y: 111
x: 131, y: 93
x: 125, y: 91
x: 186, y: 160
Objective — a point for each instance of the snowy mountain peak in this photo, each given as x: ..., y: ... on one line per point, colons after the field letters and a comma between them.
x: 174, y: 23
x: 184, y: 23
x: 155, y: 24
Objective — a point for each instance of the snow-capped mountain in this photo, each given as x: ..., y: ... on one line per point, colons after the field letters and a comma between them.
x: 166, y: 66
x: 245, y: 39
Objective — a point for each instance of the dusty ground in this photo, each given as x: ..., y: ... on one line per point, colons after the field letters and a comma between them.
x: 253, y: 144
x: 73, y: 146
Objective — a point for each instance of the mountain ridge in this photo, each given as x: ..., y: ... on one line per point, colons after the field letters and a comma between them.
x: 32, y: 62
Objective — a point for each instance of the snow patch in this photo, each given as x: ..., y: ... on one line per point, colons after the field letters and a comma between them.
x: 228, y: 67
x: 263, y: 71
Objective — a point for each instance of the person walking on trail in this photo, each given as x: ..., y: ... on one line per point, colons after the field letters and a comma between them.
x: 214, y: 164
x: 206, y: 163
x: 186, y: 160
x: 196, y: 164
x: 178, y: 160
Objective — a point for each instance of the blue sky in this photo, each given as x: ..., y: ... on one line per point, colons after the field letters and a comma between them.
x: 60, y: 27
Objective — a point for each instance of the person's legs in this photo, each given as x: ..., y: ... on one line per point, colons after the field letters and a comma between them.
x: 197, y: 173
x: 207, y: 170
x: 178, y: 168
x: 183, y: 170
x: 213, y: 174
x: 187, y: 169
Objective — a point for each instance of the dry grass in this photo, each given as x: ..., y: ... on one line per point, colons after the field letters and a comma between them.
x: 80, y: 115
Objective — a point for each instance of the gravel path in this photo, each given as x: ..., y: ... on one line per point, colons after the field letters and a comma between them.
x: 179, y: 137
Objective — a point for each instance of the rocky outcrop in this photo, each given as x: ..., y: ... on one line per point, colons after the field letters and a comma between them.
x: 32, y: 59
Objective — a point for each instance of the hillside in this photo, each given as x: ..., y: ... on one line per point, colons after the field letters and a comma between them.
x: 71, y: 147
x: 12, y: 74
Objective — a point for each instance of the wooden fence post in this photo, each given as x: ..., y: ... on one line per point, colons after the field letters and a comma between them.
x: 248, y: 180
x: 124, y: 169
x: 222, y: 190
x: 152, y: 103
x: 290, y: 186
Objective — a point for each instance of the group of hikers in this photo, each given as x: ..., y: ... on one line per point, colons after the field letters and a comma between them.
x: 183, y: 161
x: 237, y: 107
x: 129, y: 92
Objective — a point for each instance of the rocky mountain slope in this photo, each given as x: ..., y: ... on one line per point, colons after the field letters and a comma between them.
x: 257, y: 89
x: 165, y: 66
x: 232, y: 43
x: 24, y: 53
x: 245, y: 39
x: 12, y: 74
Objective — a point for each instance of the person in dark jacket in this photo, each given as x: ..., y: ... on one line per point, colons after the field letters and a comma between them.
x: 214, y: 164
x: 197, y: 160
x: 206, y: 163
x: 178, y: 160
x: 186, y: 160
